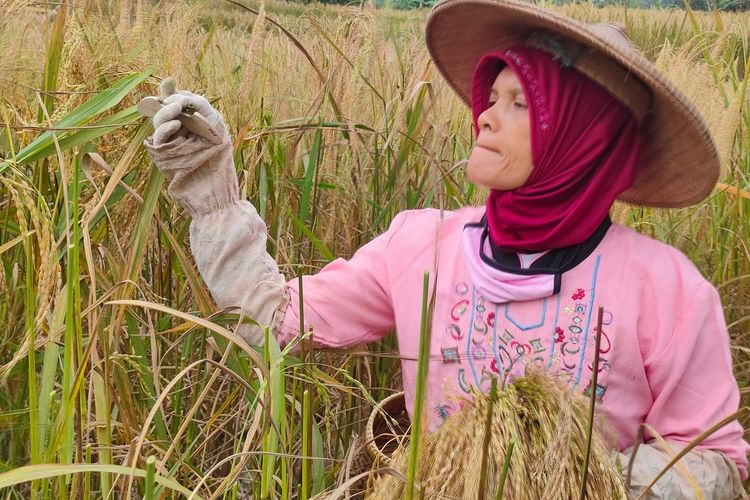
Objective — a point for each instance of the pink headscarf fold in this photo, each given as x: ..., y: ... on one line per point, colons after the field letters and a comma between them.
x: 584, y: 143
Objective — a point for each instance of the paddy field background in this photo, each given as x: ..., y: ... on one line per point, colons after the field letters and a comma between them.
x: 117, y: 377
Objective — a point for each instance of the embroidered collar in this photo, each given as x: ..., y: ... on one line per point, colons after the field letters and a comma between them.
x: 505, y: 276
x: 555, y: 261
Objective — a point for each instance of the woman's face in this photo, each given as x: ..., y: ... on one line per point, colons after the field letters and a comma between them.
x: 501, y: 158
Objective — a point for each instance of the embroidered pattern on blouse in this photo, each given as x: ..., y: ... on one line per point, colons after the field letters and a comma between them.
x: 475, y: 335
x: 533, y: 326
x: 588, y: 319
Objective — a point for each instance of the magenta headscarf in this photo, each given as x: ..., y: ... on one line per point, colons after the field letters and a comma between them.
x: 584, y: 147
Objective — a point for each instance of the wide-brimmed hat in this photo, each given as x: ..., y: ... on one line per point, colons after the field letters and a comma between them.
x: 679, y: 163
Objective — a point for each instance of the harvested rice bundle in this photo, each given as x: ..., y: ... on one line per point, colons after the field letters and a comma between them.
x: 546, y: 420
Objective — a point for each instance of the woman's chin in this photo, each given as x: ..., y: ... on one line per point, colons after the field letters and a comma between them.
x: 484, y: 179
x: 492, y: 178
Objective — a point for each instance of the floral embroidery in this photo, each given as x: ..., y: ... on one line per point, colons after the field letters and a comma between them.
x: 520, y: 348
x: 536, y: 344
x: 478, y: 352
x: 570, y: 336
x: 493, y: 366
x: 604, y: 342
x: 603, y: 366
x: 459, y: 309
x: 559, y: 335
x: 462, y: 380
x: 454, y: 331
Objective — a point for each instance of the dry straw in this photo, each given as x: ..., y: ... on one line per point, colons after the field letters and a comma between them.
x: 545, y: 419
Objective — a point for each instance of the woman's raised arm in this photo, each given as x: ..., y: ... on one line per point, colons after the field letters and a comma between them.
x: 345, y: 304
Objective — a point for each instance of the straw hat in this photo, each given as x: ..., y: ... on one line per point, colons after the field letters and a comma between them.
x: 679, y: 163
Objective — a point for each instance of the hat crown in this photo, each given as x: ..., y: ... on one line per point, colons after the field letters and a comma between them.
x: 613, y: 34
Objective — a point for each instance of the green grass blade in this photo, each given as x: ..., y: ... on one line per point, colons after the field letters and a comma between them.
x: 30, y: 311
x: 72, y: 138
x: 506, y: 468
x: 47, y: 471
x: 150, y: 478
x: 306, y: 430
x: 144, y: 218
x: 316, y: 242
x: 415, y: 448
x: 82, y: 115
x: 307, y: 184
x: 274, y: 433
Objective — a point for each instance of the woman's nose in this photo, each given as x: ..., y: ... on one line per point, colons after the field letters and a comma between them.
x: 485, y: 121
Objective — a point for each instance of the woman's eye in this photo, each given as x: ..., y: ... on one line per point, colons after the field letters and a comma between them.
x: 491, y: 103
x: 519, y: 105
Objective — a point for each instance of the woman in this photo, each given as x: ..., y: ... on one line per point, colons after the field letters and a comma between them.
x: 568, y: 118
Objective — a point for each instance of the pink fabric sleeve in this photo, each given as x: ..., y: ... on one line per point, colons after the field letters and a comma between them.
x: 690, y: 367
x: 349, y: 301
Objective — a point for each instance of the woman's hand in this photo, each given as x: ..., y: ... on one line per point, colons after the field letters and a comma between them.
x: 165, y: 120
x: 711, y: 471
x: 201, y: 174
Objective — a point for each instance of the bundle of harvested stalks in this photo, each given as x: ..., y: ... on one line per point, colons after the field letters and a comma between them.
x: 546, y: 421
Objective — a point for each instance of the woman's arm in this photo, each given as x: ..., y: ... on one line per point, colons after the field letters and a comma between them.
x: 685, y: 347
x: 229, y: 247
x: 347, y: 303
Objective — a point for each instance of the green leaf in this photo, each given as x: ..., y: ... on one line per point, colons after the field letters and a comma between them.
x: 307, y: 185
x: 317, y: 242
x: 46, y: 471
x: 44, y: 145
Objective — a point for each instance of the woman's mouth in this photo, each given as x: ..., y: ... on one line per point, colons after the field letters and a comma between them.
x: 487, y: 148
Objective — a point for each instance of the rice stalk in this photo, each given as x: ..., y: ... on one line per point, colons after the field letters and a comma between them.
x: 48, y: 471
x: 545, y: 420
x: 254, y: 50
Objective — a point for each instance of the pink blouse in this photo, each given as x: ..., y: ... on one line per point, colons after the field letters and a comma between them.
x: 664, y: 353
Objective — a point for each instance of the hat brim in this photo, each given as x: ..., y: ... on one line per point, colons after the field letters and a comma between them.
x: 679, y: 163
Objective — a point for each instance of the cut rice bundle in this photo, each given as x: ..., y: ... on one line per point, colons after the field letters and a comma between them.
x: 546, y: 420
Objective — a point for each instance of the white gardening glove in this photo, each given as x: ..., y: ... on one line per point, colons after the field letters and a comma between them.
x: 227, y: 236
x: 715, y: 474
x: 201, y: 174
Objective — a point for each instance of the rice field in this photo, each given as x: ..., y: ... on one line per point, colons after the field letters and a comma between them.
x: 118, y: 377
